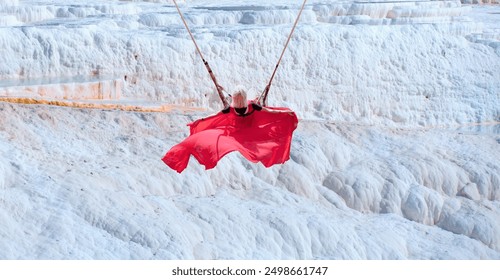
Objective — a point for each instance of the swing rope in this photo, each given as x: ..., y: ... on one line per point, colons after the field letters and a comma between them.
x: 217, y: 86
x: 263, y: 97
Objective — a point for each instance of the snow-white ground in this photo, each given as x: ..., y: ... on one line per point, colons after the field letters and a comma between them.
x: 395, y: 157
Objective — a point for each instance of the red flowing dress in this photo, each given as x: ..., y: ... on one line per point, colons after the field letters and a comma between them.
x: 259, y: 136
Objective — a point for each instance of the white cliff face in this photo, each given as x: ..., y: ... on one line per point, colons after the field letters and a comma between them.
x: 395, y: 157
x: 374, y: 65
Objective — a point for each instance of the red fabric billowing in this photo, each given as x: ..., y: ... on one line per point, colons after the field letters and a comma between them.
x: 260, y: 137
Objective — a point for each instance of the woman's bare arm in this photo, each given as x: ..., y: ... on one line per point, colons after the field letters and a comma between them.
x: 275, y: 111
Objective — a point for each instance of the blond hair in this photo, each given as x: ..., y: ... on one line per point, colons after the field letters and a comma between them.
x: 239, y: 99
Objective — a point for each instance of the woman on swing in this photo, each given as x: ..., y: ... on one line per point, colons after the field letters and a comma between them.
x: 259, y: 133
